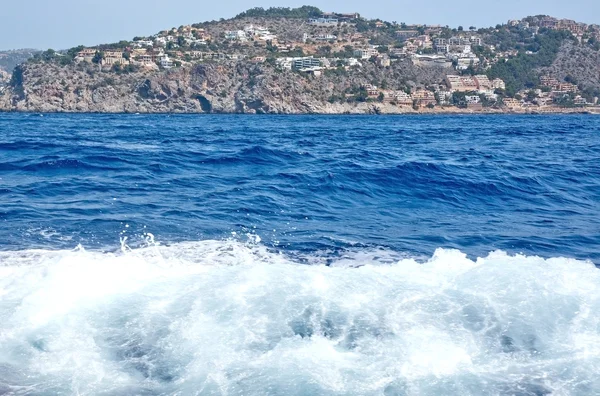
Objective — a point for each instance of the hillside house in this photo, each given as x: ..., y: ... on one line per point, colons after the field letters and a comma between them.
x: 323, y: 21
x: 86, y: 54
x: 498, y: 84
x: 114, y: 57
x: 365, y: 53
x: 236, y: 35
x: 406, y: 34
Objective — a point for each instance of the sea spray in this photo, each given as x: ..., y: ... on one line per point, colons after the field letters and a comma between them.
x: 226, y: 317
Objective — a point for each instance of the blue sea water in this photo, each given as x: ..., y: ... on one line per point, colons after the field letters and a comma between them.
x: 306, y: 255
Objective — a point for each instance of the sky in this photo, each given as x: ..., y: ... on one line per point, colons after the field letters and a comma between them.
x: 61, y: 24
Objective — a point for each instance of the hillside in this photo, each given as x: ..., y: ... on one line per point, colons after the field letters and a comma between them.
x: 211, y: 87
x: 283, y: 60
x: 10, y: 59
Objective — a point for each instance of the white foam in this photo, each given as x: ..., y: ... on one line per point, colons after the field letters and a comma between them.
x: 223, y: 317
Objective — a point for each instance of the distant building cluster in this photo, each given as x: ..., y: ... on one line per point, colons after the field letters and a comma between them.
x: 333, y: 41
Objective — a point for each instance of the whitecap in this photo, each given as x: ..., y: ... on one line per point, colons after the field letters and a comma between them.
x: 225, y: 317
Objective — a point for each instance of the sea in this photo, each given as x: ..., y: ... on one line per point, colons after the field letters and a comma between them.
x: 299, y: 255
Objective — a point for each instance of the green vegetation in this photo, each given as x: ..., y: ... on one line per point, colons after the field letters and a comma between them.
x: 61, y: 58
x: 121, y: 44
x: 348, y: 52
x: 16, y: 81
x: 98, y: 57
x: 281, y: 12
x: 17, y: 77
x: 125, y: 69
x: 520, y: 72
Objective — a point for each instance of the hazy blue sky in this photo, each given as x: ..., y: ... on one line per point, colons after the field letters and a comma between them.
x: 61, y: 24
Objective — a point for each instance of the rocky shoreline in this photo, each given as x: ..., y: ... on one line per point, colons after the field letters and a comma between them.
x: 234, y: 88
x: 356, y: 110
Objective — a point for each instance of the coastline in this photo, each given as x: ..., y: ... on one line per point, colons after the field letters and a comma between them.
x: 357, y: 111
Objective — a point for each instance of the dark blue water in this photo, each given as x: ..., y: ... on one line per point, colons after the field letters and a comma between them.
x: 305, y: 255
x: 305, y: 183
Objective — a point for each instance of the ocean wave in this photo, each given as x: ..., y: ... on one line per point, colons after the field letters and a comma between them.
x: 67, y: 164
x: 226, y: 317
x: 257, y: 155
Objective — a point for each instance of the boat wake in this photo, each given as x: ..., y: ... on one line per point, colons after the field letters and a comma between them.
x: 226, y: 317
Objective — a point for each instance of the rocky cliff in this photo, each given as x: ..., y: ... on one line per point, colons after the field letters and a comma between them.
x: 228, y: 87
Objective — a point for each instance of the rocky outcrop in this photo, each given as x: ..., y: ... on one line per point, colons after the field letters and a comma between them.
x: 228, y: 87
x: 581, y: 63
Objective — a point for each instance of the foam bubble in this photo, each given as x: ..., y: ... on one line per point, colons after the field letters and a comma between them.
x: 223, y: 317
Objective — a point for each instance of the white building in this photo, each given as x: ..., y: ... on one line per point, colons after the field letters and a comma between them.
x: 476, y: 40
x: 365, y: 53
x: 353, y: 62
x: 442, y: 48
x: 472, y: 99
x: 166, y: 62
x: 323, y: 21
x: 498, y: 84
x: 143, y: 43
x: 325, y: 37
x: 236, y: 35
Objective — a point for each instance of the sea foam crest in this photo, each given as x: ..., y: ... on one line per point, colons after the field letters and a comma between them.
x: 223, y: 317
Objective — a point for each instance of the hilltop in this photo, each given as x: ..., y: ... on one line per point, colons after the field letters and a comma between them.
x: 304, y: 60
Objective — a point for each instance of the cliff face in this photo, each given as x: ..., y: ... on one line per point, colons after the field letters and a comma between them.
x: 229, y: 87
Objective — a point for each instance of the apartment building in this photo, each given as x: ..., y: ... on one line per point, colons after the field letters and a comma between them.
x: 401, y: 98
x: 424, y: 97
x: 461, y: 83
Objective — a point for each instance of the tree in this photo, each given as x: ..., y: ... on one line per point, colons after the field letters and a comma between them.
x: 531, y: 96
x: 98, y: 57
x: 325, y: 50
x: 570, y: 79
x: 460, y: 29
x: 303, y: 12
x: 459, y: 100
x: 17, y: 77
x: 381, y: 97
x: 521, y: 71
x: 472, y: 28
x: 48, y: 55
x: 362, y: 95
x: 72, y: 53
